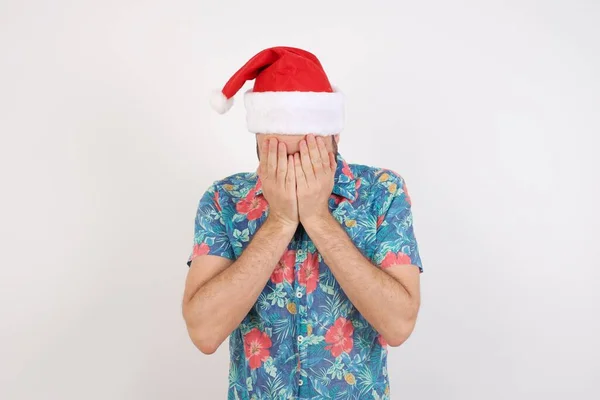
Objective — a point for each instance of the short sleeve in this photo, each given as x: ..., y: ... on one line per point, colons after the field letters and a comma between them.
x: 210, y: 233
x: 395, y: 237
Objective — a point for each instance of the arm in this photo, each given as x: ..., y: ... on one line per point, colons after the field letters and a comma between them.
x: 389, y: 299
x: 219, y: 293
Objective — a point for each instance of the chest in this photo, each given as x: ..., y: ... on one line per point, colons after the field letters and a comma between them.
x: 357, y: 219
x: 302, y: 284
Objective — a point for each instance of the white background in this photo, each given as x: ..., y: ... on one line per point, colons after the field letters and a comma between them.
x: 489, y: 109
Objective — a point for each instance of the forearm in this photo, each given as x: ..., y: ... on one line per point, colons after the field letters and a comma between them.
x: 380, y: 298
x: 219, y: 305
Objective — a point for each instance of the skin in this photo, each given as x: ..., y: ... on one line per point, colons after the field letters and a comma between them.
x: 297, y: 174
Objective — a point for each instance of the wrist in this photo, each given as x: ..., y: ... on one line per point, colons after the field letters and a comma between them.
x: 316, y: 218
x: 285, y: 226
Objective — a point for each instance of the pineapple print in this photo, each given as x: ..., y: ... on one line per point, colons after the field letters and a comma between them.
x: 384, y: 177
x: 350, y: 223
x: 350, y: 379
x: 291, y: 307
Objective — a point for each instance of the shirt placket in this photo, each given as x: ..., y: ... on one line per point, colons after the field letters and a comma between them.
x: 301, y: 316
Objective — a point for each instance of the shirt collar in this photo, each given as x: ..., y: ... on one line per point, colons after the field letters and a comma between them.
x: 344, y: 182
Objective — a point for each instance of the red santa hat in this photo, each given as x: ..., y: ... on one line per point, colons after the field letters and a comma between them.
x: 291, y: 94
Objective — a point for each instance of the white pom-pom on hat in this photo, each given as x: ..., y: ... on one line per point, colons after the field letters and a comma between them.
x: 220, y: 103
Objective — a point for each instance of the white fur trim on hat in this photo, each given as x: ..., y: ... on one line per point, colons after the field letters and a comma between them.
x: 294, y: 113
x: 220, y: 103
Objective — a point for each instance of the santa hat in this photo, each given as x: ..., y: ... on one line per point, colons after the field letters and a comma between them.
x: 291, y: 94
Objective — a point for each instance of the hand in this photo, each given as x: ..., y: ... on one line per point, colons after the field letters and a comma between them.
x: 276, y: 172
x: 315, y: 169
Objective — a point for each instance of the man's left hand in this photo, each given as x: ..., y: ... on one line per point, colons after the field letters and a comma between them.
x: 315, y: 169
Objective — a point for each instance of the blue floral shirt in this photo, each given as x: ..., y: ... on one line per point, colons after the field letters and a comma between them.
x: 303, y: 339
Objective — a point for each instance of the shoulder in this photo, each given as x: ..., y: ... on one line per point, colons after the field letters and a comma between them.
x: 381, y: 182
x: 234, y: 186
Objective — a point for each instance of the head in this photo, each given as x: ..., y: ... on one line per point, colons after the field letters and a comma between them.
x: 292, y: 142
x: 291, y: 94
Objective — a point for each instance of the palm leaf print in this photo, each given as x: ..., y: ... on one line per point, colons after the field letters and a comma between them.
x: 320, y: 388
x: 283, y: 328
x: 318, y: 355
x: 327, y: 283
x: 262, y: 302
x: 333, y: 307
x: 366, y: 380
x: 273, y: 387
x: 233, y: 374
x: 368, y: 223
x: 321, y: 375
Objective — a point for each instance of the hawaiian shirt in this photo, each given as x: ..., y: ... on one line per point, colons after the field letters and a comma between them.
x: 303, y: 338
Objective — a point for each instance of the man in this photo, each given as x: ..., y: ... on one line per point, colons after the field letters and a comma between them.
x: 309, y: 265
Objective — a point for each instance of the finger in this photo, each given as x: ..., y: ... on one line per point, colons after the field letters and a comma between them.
x: 309, y: 174
x: 324, y: 153
x: 332, y: 161
x: 262, y: 163
x: 315, y: 156
x: 272, y: 158
x: 281, y: 163
x: 300, y: 176
x: 290, y: 177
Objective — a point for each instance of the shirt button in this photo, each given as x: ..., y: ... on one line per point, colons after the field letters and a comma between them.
x: 298, y: 294
x: 300, y: 383
x: 300, y: 338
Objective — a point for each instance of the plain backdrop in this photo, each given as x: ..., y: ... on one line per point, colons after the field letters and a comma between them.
x: 488, y: 109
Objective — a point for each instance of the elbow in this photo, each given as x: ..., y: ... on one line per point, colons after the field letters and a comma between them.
x: 205, y: 345
x: 400, y: 333
x: 203, y: 340
x: 397, y: 339
x: 202, y: 336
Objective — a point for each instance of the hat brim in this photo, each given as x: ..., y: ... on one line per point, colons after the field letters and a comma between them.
x: 294, y: 113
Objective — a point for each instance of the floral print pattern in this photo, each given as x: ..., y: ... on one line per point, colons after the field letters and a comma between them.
x: 303, y: 338
x: 339, y: 337
x: 285, y: 268
x: 256, y: 347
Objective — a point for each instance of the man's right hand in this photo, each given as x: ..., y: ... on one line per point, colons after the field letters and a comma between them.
x: 276, y: 172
